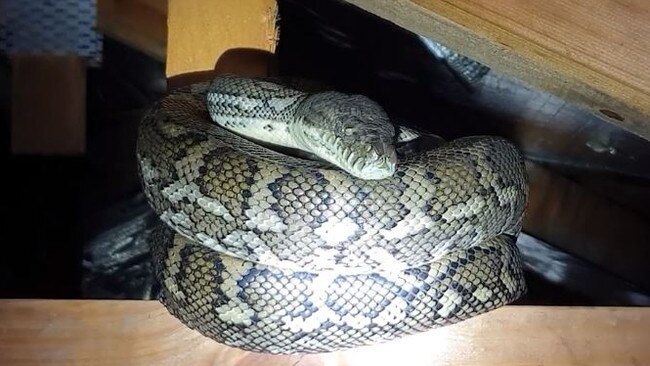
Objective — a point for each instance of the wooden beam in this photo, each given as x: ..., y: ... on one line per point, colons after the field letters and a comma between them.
x: 590, y: 53
x: 141, y: 24
x: 201, y: 31
x: 114, y: 332
x: 563, y: 213
x: 48, y: 105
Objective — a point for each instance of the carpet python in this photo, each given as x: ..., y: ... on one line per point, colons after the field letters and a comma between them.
x: 347, y: 237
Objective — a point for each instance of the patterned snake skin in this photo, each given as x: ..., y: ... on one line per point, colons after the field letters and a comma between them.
x: 273, y: 253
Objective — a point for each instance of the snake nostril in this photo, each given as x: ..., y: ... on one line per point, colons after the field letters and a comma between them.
x: 392, y: 158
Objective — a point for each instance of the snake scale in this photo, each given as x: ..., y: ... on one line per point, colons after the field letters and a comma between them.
x: 275, y: 252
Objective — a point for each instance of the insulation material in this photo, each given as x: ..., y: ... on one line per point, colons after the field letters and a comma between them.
x: 46, y: 27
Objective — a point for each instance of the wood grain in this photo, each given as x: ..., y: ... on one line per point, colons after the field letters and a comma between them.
x: 592, y: 53
x: 113, y: 332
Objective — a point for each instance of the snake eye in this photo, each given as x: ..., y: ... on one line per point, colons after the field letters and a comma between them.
x: 348, y: 131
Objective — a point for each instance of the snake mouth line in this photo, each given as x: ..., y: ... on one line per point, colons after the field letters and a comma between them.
x: 359, y: 159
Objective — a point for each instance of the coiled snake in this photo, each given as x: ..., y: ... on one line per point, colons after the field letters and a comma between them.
x: 272, y: 252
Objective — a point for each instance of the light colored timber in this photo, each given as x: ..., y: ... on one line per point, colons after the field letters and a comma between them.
x: 591, y: 53
x: 114, y: 332
x: 201, y: 31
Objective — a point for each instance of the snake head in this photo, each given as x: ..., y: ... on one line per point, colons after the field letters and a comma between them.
x: 350, y: 131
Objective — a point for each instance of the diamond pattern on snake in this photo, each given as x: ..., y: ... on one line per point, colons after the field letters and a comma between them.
x: 295, y: 222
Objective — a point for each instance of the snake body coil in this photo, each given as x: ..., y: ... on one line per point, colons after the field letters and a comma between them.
x: 274, y: 253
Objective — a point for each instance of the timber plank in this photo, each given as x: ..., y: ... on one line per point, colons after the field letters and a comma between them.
x: 201, y: 31
x: 590, y: 53
x: 48, y: 105
x: 579, y: 221
x: 118, y: 332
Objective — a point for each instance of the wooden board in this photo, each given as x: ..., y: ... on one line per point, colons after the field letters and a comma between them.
x: 201, y: 31
x: 579, y: 221
x: 48, y: 105
x: 141, y: 24
x: 78, y: 332
x: 590, y: 53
